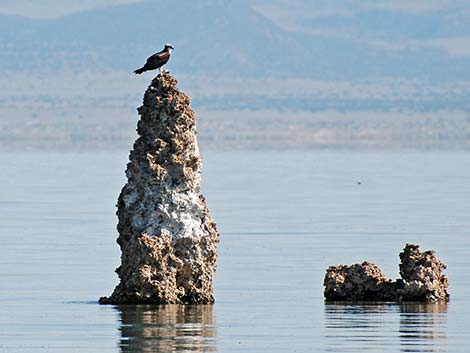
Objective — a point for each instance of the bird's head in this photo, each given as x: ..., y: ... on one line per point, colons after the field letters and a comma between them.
x: 168, y: 47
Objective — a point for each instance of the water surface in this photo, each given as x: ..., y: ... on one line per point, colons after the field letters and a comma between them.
x: 284, y: 217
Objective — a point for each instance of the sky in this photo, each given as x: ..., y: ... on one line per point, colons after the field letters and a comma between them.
x: 53, y: 8
x: 318, y: 8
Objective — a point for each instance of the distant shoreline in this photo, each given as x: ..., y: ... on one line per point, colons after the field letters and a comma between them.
x: 98, y: 111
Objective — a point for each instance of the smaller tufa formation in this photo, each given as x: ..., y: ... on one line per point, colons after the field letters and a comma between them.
x: 421, y: 280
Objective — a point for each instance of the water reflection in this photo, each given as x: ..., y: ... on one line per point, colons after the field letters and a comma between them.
x: 423, y: 327
x: 408, y: 327
x: 167, y: 328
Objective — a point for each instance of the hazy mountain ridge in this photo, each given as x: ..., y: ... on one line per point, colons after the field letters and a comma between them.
x: 223, y: 37
x: 216, y: 36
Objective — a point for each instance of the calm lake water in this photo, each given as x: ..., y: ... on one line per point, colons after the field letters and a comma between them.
x: 284, y: 217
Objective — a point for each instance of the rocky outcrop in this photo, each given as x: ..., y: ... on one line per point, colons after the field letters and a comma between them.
x: 167, y: 236
x: 421, y: 280
x: 422, y: 276
x: 358, y: 282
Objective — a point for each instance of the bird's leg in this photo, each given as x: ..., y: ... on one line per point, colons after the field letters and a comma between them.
x: 160, y: 69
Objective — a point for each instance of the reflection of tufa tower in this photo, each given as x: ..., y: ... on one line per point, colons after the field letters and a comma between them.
x: 167, y: 236
x: 167, y: 328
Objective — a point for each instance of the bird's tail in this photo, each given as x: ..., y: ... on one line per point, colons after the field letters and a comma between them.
x: 139, y: 71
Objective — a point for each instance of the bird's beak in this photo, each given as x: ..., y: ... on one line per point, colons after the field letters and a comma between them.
x: 172, y: 48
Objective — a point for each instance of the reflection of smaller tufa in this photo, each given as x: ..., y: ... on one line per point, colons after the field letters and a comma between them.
x: 421, y: 280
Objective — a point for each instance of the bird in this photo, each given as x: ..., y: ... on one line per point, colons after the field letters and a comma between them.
x: 157, y: 60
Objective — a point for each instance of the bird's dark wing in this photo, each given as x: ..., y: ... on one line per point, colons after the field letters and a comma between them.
x: 157, y: 60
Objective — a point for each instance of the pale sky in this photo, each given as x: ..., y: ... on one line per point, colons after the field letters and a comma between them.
x: 317, y: 8
x: 54, y: 8
x: 416, y: 6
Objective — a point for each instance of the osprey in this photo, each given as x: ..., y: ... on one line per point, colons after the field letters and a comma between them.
x: 157, y: 60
